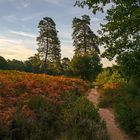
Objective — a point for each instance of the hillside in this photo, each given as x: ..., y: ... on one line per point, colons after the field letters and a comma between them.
x: 38, y: 107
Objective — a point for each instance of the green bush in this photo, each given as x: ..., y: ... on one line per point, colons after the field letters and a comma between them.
x: 128, y: 115
x: 103, y: 77
x: 125, y: 100
x: 71, y: 117
x: 83, y: 121
x: 109, y: 98
x: 37, y: 102
x: 109, y: 77
x: 86, y: 67
x: 128, y: 109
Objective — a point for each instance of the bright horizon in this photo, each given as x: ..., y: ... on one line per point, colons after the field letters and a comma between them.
x: 20, y: 18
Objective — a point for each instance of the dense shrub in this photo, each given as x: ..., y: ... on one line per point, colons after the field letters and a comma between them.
x: 125, y: 100
x: 129, y: 64
x: 128, y: 109
x: 41, y: 107
x: 86, y: 67
x: 124, y: 97
x: 108, y: 79
x: 73, y: 118
x: 3, y: 63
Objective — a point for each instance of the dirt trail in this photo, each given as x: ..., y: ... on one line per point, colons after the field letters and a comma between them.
x: 107, y: 115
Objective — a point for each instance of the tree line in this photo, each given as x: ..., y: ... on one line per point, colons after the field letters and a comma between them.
x: 120, y: 35
x: 85, y: 63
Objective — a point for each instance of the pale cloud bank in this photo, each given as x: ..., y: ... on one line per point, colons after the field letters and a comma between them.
x: 25, y: 5
x: 57, y: 2
x: 16, y: 49
x: 23, y: 34
x: 14, y: 19
x: 22, y: 49
x: 107, y: 63
x: 67, y: 51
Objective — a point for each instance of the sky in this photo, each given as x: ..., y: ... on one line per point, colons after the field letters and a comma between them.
x: 19, y: 25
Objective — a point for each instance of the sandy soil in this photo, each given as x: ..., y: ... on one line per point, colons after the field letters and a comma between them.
x: 107, y: 115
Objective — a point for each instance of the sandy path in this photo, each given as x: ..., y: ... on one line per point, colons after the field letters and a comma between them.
x: 114, y: 131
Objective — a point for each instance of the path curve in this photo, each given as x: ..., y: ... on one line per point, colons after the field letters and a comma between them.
x: 115, y: 133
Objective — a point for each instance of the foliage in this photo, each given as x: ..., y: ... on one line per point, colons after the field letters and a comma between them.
x: 120, y: 35
x: 84, y: 40
x: 95, y: 6
x: 103, y: 77
x: 110, y: 79
x: 121, y: 32
x: 33, y: 64
x: 52, y: 121
x: 123, y: 97
x: 12, y: 81
x: 125, y: 100
x: 65, y: 62
x: 86, y: 67
x: 16, y: 65
x: 3, y: 63
x: 130, y: 64
x: 36, y: 107
x: 54, y: 68
x: 49, y: 44
x: 122, y: 41
x: 86, y: 62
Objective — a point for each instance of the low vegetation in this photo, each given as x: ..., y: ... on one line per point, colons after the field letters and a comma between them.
x: 37, y: 107
x: 124, y: 97
x: 43, y: 107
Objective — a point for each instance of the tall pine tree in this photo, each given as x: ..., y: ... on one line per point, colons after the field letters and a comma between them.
x: 49, y: 45
x: 85, y: 41
x: 86, y: 62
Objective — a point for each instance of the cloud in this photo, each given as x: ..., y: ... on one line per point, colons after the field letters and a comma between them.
x: 95, y: 19
x: 25, y: 34
x: 57, y: 2
x: 21, y: 3
x: 16, y: 48
x: 30, y: 17
x: 107, y: 63
x: 25, y: 5
x: 65, y: 35
x: 7, y: 41
x: 67, y: 51
x: 66, y: 43
x: 14, y: 19
x: 22, y: 49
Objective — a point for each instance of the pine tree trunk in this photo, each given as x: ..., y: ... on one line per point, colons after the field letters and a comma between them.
x: 46, y: 56
x: 85, y: 43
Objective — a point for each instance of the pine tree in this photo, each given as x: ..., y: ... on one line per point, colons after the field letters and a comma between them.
x: 121, y: 32
x: 85, y: 41
x: 49, y: 45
